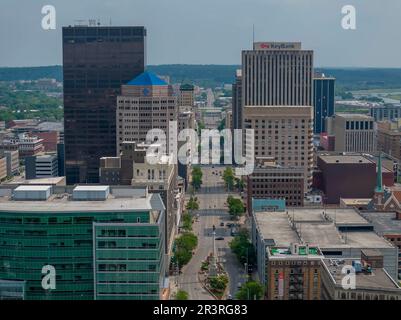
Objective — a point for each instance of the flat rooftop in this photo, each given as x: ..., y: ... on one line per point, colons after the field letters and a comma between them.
x: 378, y: 279
x: 62, y: 202
x: 335, y: 228
x: 384, y: 222
x: 356, y: 116
x: 344, y: 159
x: 340, y: 216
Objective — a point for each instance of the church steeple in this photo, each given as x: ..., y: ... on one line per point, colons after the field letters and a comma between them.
x: 379, y: 178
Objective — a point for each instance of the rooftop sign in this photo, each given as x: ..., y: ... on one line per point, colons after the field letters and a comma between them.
x: 277, y: 46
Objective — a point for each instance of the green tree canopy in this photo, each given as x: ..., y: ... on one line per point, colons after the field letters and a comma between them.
x: 251, y: 290
x: 181, y: 295
x: 193, y: 204
x: 243, y: 248
x: 228, y: 177
x: 235, y: 207
x: 197, y: 177
x: 184, y: 245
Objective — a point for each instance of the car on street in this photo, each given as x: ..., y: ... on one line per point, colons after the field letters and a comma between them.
x: 221, y: 224
x: 220, y: 238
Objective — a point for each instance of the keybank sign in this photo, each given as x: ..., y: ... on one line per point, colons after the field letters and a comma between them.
x: 277, y: 46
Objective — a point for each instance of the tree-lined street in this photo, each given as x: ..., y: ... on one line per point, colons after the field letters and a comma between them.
x: 212, y: 211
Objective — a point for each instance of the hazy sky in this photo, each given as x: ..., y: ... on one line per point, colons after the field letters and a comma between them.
x: 212, y: 31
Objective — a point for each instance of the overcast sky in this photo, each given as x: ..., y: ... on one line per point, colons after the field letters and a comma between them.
x: 212, y: 31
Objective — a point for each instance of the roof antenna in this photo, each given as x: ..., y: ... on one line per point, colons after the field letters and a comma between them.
x: 253, y: 35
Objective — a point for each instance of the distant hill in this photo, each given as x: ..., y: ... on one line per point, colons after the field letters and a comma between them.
x: 31, y: 73
x: 216, y: 75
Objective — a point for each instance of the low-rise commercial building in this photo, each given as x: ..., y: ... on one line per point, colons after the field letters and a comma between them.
x: 388, y: 225
x: 371, y: 282
x: 270, y: 181
x: 338, y: 233
x: 293, y: 273
x: 348, y: 176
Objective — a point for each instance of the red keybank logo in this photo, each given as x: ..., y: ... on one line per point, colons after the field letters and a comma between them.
x: 264, y: 46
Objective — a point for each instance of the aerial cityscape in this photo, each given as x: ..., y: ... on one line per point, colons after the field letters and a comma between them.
x: 268, y: 177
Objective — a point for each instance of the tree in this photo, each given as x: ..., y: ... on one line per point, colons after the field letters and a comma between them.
x: 219, y: 282
x: 187, y: 222
x: 184, y: 245
x: 197, y: 177
x: 251, y: 290
x: 228, y: 177
x: 181, y: 295
x: 239, y: 184
x: 242, y: 247
x: 235, y: 207
x: 193, y: 204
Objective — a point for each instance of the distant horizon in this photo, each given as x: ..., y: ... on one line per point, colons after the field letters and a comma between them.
x: 208, y: 64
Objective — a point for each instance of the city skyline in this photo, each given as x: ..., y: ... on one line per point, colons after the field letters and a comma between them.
x: 213, y: 26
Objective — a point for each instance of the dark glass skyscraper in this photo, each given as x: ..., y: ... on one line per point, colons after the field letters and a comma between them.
x: 323, y: 88
x: 96, y: 62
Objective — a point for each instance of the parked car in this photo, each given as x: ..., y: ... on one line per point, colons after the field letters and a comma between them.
x: 221, y: 224
x: 220, y: 238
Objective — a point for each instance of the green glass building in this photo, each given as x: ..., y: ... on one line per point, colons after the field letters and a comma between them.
x: 103, y: 243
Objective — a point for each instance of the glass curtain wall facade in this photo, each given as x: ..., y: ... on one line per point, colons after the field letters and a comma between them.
x: 129, y: 257
x: 96, y: 62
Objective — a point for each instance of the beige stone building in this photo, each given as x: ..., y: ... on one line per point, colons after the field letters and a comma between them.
x: 389, y: 137
x: 353, y: 132
x: 145, y: 103
x: 284, y: 133
x: 159, y: 175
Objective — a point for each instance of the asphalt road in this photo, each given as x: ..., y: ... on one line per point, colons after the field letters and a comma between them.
x: 212, y: 211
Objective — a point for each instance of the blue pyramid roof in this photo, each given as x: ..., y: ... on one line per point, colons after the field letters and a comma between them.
x: 147, y: 79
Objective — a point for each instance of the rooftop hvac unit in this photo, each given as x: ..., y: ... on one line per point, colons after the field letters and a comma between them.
x: 91, y: 193
x: 32, y: 193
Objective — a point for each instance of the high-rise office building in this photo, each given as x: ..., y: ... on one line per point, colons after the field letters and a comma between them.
x: 277, y: 103
x: 146, y: 102
x: 277, y: 74
x: 323, y: 102
x: 187, y: 96
x: 283, y: 133
x: 96, y: 62
x: 237, y: 101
